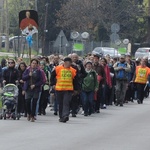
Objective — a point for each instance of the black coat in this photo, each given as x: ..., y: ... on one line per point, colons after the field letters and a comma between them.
x: 11, y: 75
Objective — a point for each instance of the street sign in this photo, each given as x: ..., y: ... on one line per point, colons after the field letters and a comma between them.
x: 122, y: 50
x: 114, y: 37
x: 117, y: 42
x: 61, y: 40
x: 78, y: 47
x: 74, y: 35
x: 126, y: 41
x: 115, y: 28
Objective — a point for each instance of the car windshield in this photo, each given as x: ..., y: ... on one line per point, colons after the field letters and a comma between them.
x: 98, y: 50
x: 143, y: 50
x: 110, y: 51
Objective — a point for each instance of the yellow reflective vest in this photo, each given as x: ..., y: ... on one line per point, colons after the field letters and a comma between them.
x: 142, y: 74
x: 64, y: 78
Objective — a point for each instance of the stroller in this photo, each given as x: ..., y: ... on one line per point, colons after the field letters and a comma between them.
x: 9, y: 102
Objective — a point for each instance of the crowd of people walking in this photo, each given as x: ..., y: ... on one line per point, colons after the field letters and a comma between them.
x: 69, y: 84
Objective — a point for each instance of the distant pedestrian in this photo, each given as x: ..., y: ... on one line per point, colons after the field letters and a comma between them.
x: 121, y: 69
x: 141, y: 79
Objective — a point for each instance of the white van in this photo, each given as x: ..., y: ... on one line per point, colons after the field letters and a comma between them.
x: 142, y: 52
x: 106, y: 50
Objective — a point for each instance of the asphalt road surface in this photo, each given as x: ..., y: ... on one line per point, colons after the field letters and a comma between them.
x: 116, y: 128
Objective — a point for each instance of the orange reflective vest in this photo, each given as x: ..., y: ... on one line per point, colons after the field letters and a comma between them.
x: 142, y: 74
x: 64, y: 78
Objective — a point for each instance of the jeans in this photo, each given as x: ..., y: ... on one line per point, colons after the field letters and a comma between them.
x: 121, y: 87
x: 140, y: 91
x: 106, y: 95
x: 88, y: 98
x: 37, y: 104
x: 56, y: 103
x: 31, y: 106
x: 43, y: 101
x: 75, y: 101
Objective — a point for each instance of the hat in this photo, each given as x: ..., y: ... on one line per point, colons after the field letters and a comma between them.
x: 95, y: 54
x: 128, y: 54
x: 122, y: 56
x: 42, y: 63
x: 88, y: 62
x: 68, y: 59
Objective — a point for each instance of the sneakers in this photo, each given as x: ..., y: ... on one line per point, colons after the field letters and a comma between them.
x: 86, y: 115
x: 32, y: 119
x: 82, y: 113
x: 55, y: 113
x: 73, y: 115
x: 64, y: 119
x: 28, y: 117
x: 103, y: 107
x: 138, y: 101
x: 44, y: 112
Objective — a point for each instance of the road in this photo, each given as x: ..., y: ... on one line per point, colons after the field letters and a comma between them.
x: 116, y: 128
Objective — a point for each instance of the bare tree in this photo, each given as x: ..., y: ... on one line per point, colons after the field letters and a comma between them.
x: 78, y: 15
x: 88, y: 15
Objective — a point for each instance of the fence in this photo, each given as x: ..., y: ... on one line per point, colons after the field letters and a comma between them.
x: 65, y: 50
x: 19, y: 47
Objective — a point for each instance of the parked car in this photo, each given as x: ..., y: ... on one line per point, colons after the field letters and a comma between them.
x: 143, y: 51
x: 103, y: 51
x: 14, y: 41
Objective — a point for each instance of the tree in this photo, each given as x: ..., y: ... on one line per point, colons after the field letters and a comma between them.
x: 14, y: 7
x: 95, y: 15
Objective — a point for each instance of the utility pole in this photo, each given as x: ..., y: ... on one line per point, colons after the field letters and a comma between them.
x: 37, y: 39
x: 27, y: 4
x: 7, y: 27
x: 45, y: 29
x: 1, y: 20
x: 148, y: 30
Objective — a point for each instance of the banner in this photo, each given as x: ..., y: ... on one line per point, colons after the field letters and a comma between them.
x: 28, y: 22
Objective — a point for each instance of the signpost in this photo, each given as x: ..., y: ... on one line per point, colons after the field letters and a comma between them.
x: 78, y: 47
x: 115, y: 28
x: 61, y: 41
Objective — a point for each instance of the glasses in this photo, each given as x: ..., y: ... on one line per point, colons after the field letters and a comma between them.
x: 10, y: 62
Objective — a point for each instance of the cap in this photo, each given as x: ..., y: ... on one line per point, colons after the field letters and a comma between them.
x: 97, y: 55
x: 128, y: 54
x: 42, y: 63
x: 122, y: 56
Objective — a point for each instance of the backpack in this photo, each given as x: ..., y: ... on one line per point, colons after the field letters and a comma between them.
x: 121, y: 74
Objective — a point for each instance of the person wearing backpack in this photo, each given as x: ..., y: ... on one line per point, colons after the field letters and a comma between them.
x: 89, y: 87
x: 130, y: 88
x: 121, y: 70
x: 45, y: 89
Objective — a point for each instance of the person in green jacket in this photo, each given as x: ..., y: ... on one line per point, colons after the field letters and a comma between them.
x: 89, y: 87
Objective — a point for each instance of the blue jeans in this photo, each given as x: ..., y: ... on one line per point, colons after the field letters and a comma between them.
x: 56, y: 103
x: 37, y: 104
x: 88, y: 98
